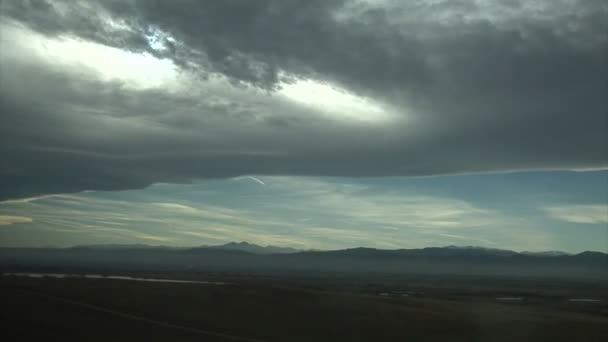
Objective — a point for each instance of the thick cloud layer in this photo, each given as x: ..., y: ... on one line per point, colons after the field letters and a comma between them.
x: 465, y: 86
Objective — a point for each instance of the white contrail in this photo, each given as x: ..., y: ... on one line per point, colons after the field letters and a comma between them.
x: 256, y: 179
x: 252, y: 178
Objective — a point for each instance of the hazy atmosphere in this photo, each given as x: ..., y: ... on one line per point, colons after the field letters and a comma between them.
x: 308, y: 124
x: 530, y: 211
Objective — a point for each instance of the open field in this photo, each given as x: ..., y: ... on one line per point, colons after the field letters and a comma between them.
x: 110, y: 309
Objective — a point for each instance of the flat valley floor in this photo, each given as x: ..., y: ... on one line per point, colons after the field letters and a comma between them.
x: 77, y: 309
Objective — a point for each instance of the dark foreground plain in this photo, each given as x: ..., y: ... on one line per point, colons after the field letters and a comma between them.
x: 77, y: 309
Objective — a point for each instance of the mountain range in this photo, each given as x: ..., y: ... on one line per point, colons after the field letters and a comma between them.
x: 251, y: 258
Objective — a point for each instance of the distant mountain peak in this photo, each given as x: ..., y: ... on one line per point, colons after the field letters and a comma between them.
x: 119, y: 246
x: 546, y: 253
x: 239, y: 244
x: 255, y: 249
x: 477, y: 248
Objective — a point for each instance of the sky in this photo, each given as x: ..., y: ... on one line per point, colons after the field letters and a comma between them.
x: 311, y: 124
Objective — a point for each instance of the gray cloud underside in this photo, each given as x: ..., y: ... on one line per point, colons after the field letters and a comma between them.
x: 483, y: 86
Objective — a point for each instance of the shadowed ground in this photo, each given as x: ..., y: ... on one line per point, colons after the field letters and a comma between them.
x: 101, y: 310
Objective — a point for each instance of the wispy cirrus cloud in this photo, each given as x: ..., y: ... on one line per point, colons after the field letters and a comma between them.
x: 580, y: 213
x: 359, y: 204
x: 301, y: 212
x: 10, y: 219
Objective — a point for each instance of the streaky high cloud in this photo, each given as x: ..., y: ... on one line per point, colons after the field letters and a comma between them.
x: 587, y: 214
x: 9, y: 219
x: 309, y: 212
x: 520, y: 211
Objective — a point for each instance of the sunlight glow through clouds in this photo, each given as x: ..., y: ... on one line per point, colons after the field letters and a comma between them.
x: 144, y: 71
x: 136, y: 70
x: 334, y: 101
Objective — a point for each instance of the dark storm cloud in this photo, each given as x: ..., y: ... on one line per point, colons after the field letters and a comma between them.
x: 483, y: 86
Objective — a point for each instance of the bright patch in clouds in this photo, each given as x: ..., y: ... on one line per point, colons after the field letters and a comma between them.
x: 334, y: 101
x: 159, y: 40
x: 137, y: 70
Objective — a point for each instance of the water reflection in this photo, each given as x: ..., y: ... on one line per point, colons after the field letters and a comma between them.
x: 115, y: 277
